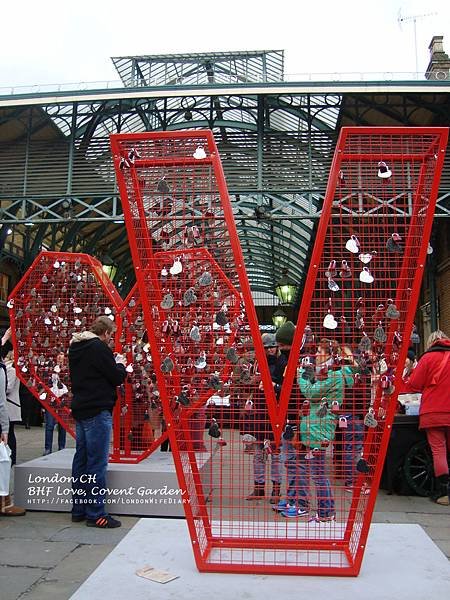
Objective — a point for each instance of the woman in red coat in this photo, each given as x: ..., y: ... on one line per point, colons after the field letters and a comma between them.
x: 431, y: 377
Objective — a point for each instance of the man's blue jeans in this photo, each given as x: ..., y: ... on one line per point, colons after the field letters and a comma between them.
x: 291, y: 461
x: 89, y: 465
x: 50, y: 423
x: 315, y: 469
x: 259, y: 465
x: 353, y: 444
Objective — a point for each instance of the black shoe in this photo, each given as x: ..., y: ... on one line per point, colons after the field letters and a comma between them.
x: 78, y: 518
x: 106, y: 522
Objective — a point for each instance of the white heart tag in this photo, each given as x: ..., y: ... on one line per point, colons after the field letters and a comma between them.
x: 199, y: 153
x: 365, y: 258
x: 176, y: 268
x: 77, y: 310
x: 330, y: 322
x: 365, y: 276
x: 352, y: 244
x: 332, y: 285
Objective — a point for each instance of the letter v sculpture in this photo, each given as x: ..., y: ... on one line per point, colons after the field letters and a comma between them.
x: 292, y: 475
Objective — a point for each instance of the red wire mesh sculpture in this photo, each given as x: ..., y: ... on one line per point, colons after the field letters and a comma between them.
x: 62, y: 293
x: 339, y: 380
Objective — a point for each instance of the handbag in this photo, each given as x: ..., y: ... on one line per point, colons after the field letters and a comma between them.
x: 5, y: 469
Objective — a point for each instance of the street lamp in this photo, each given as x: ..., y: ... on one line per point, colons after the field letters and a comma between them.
x: 109, y: 267
x: 279, y: 318
x: 286, y: 290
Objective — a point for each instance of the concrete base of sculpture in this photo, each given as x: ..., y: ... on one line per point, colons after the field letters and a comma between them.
x: 149, y: 488
x: 401, y: 563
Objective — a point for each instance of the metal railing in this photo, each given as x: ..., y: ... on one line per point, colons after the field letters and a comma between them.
x: 354, y: 76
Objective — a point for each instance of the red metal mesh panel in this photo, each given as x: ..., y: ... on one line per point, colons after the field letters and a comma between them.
x: 337, y: 392
x: 60, y: 294
x: 63, y: 293
x: 137, y: 424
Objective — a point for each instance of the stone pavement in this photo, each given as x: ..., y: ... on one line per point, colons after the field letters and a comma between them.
x: 44, y: 555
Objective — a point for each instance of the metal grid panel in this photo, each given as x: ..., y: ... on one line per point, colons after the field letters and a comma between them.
x: 60, y: 294
x: 353, y: 330
x: 198, y: 68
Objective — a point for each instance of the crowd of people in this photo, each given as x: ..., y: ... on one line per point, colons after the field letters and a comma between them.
x: 335, y: 390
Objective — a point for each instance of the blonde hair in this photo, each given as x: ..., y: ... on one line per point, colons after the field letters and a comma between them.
x: 433, y: 337
x: 102, y: 325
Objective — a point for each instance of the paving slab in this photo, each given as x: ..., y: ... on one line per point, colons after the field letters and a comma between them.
x: 75, y: 567
x: 34, y: 553
x: 26, y: 528
x: 89, y: 535
x: 51, y: 590
x: 14, y: 581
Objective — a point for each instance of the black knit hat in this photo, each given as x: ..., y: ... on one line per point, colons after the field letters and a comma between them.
x: 285, y: 334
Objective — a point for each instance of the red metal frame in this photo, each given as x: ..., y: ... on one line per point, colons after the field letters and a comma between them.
x: 42, y: 321
x: 56, y: 297
x: 176, y: 206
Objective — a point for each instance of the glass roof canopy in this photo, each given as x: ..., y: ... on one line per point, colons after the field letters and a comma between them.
x: 276, y: 148
x: 255, y: 66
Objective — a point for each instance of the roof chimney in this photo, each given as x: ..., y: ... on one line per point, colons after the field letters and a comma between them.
x: 439, y: 66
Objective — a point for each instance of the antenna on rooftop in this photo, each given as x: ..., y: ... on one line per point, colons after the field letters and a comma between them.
x: 403, y: 19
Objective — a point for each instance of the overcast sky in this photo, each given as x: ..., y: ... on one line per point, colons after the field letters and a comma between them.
x: 59, y: 42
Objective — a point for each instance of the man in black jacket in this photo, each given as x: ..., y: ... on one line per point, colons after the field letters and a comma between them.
x: 95, y: 375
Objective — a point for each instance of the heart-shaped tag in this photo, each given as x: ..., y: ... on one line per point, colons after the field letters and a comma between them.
x: 331, y: 271
x: 214, y: 429
x: 392, y: 311
x: 342, y: 424
x: 167, y: 365
x: 221, y: 318
x: 393, y: 244
x: 370, y: 420
x: 183, y: 398
x: 231, y: 355
x: 352, y: 245
x: 176, y: 268
x: 345, y: 271
x: 199, y: 153
x: 194, y: 334
x: 330, y: 322
x: 323, y: 409
x: 189, y: 297
x: 365, y: 345
x: 365, y: 258
x: 379, y: 335
x: 200, y: 362
x: 365, y: 276
x: 214, y: 382
x: 205, y: 279
x: 167, y: 302
x: 362, y: 466
x: 332, y: 285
